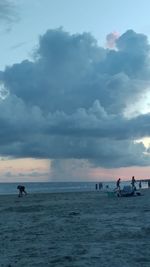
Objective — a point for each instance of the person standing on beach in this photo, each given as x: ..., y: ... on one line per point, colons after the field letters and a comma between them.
x: 22, y: 190
x: 100, y: 186
x: 133, y: 181
x: 118, y: 184
x: 118, y: 190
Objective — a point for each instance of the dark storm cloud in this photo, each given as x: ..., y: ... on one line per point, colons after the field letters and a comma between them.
x: 69, y: 102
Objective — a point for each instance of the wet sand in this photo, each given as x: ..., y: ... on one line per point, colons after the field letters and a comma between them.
x: 75, y: 230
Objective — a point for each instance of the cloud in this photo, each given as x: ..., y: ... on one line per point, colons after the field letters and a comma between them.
x: 18, y: 45
x: 67, y: 169
x: 69, y: 102
x: 8, y: 12
x: 111, y: 39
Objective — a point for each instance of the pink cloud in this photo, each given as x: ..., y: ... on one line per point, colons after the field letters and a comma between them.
x: 123, y: 173
x: 111, y: 39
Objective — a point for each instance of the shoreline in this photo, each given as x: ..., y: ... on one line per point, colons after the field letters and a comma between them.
x: 93, y: 190
x: 59, y: 187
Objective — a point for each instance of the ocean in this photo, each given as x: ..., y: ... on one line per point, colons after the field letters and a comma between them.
x: 57, y: 187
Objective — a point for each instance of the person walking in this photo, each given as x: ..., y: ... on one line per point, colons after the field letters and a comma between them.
x: 118, y: 189
x: 118, y: 184
x: 133, y: 181
x: 22, y: 190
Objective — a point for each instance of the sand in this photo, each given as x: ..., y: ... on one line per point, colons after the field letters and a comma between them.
x: 75, y: 229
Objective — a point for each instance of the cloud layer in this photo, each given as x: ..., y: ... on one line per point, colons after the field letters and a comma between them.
x: 69, y: 102
x: 8, y: 12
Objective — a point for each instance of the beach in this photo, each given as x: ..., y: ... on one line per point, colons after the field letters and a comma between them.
x: 77, y: 229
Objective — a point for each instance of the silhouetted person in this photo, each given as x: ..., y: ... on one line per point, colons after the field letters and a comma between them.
x: 96, y: 186
x: 140, y: 184
x: 133, y: 181
x: 100, y: 186
x: 118, y: 184
x: 22, y: 190
x: 149, y: 184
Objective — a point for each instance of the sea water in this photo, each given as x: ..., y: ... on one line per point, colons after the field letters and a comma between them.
x: 57, y: 187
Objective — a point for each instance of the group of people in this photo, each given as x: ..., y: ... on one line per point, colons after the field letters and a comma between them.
x: 99, y: 186
x: 133, y: 181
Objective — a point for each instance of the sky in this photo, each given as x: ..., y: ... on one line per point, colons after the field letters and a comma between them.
x: 74, y: 90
